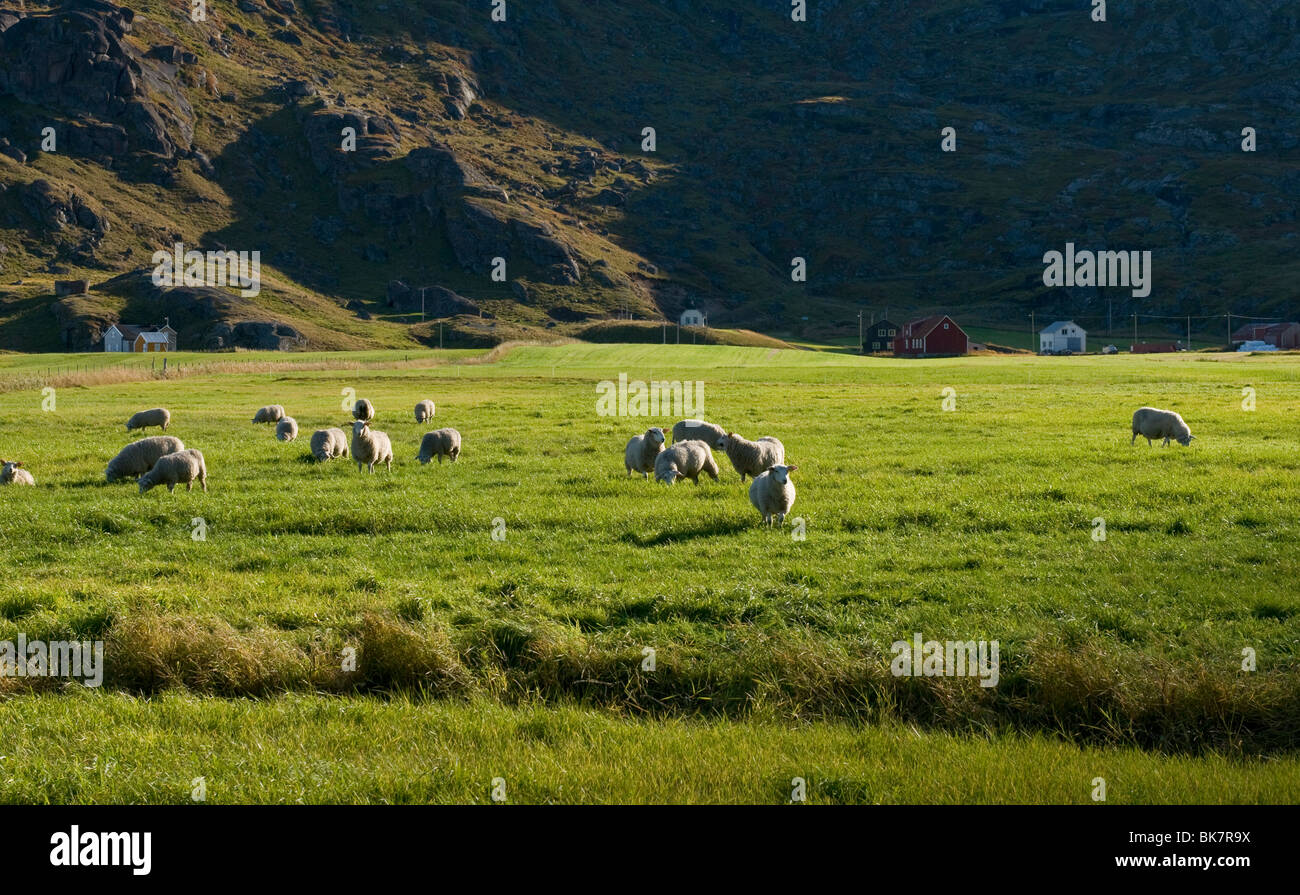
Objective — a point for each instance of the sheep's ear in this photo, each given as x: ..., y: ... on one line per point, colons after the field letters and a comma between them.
x: 790, y: 469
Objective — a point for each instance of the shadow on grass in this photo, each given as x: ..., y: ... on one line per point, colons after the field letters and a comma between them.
x: 712, y: 529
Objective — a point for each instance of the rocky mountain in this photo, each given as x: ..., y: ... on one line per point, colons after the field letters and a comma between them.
x: 532, y: 166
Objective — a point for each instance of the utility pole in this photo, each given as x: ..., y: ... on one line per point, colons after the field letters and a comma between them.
x: 422, y: 288
x: 1110, y: 311
x: 1031, y: 331
x: 1229, y: 329
x: 1189, y: 332
x: 862, y: 348
x: 439, y: 335
x: 1135, y: 329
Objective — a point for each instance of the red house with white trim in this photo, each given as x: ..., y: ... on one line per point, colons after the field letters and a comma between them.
x: 934, y: 336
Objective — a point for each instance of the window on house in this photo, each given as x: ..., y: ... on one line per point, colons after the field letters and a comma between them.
x: 945, y: 326
x: 892, y: 332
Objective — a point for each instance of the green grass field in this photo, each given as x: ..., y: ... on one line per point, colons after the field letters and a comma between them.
x: 499, y: 608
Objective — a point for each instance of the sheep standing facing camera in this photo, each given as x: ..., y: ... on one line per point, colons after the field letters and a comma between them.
x: 424, y: 411
x: 642, y: 450
x: 752, y: 457
x: 271, y: 413
x: 685, y: 459
x: 1152, y: 423
x: 159, y: 416
x: 370, y: 447
x: 139, y: 457
x: 12, y: 473
x: 286, y: 429
x: 439, y: 443
x: 772, y: 493
x: 363, y: 410
x: 180, y: 468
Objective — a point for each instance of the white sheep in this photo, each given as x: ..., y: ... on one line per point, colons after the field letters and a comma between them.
x: 752, y: 457
x: 439, y: 443
x: 698, y: 430
x: 286, y: 429
x: 12, y: 473
x: 370, y: 447
x: 424, y: 411
x: 327, y: 444
x: 180, y: 468
x: 139, y: 457
x: 271, y: 413
x: 772, y: 493
x: 685, y: 459
x: 159, y: 416
x: 363, y: 410
x: 1152, y: 423
x: 641, y: 451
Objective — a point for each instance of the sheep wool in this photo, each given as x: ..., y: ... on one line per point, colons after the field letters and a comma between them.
x: 642, y: 450
x: 772, y: 493
x: 370, y: 447
x: 685, y: 459
x: 159, y: 416
x: 439, y: 443
x: 12, y: 473
x: 752, y: 457
x: 363, y: 410
x: 698, y: 430
x: 139, y: 457
x: 1152, y: 423
x: 286, y: 429
x: 180, y: 468
x: 326, y: 444
x: 271, y: 413
x: 424, y: 411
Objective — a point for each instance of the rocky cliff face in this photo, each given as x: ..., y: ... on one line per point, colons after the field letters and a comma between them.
x: 510, y: 165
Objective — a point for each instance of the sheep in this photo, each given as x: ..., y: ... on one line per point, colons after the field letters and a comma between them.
x: 772, y: 493
x: 685, y: 459
x: 370, y: 447
x: 641, y: 451
x: 424, y: 411
x: 752, y: 457
x: 138, y: 457
x: 1152, y: 423
x: 329, y: 443
x: 363, y: 410
x: 182, y: 467
x: 159, y: 416
x: 271, y: 413
x: 12, y: 473
x: 439, y: 443
x: 286, y: 429
x: 698, y: 430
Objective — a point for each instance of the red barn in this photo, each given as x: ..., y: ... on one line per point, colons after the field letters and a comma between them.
x: 934, y: 336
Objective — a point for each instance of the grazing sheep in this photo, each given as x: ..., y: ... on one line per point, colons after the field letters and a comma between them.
x: 327, y: 444
x: 180, y: 468
x: 439, y: 443
x: 424, y: 411
x: 12, y: 473
x: 772, y: 493
x: 370, y: 447
x: 641, y: 451
x: 1152, y: 423
x: 363, y: 410
x: 752, y: 457
x: 685, y: 459
x: 286, y: 429
x: 698, y: 430
x: 139, y: 457
x: 159, y: 416
x: 271, y: 413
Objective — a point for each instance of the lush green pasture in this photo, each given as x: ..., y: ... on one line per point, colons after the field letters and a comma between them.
x: 975, y: 523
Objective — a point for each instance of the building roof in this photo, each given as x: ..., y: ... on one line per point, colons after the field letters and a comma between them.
x: 153, y: 337
x: 1058, y: 326
x: 919, y: 329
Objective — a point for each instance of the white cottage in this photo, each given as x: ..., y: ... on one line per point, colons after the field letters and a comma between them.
x: 1063, y: 335
x: 693, y: 317
x: 126, y: 337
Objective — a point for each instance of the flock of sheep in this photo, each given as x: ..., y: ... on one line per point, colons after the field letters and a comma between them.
x: 691, y: 453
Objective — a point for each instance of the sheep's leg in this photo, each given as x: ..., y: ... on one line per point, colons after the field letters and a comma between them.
x: 171, y: 486
x: 1132, y: 441
x: 1165, y: 443
x: 780, y: 518
x: 189, y: 486
x: 203, y: 480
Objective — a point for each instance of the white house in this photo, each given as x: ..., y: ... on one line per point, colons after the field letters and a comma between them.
x: 124, y: 336
x: 693, y: 317
x: 1063, y: 335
